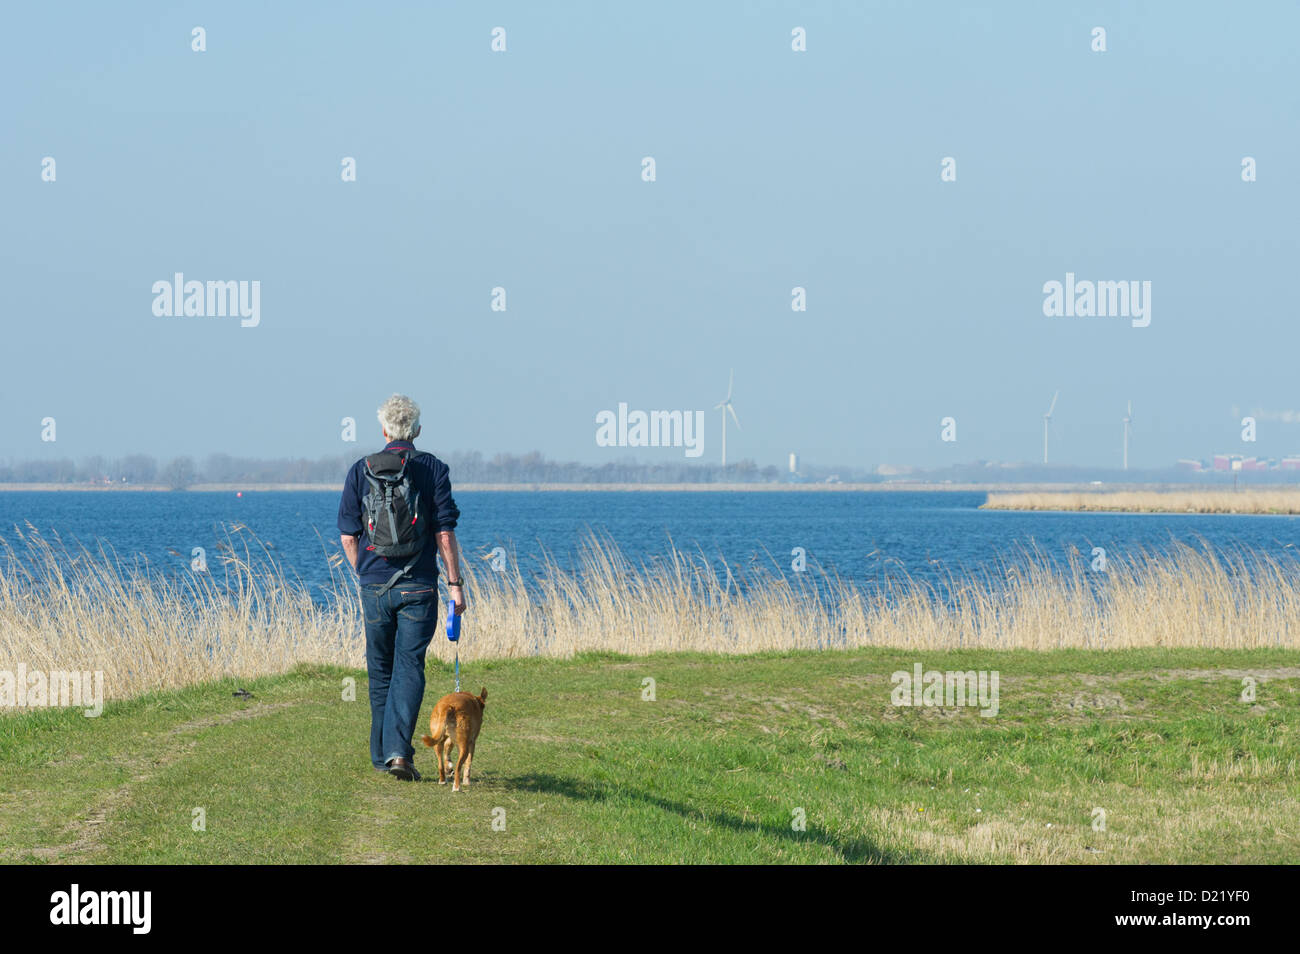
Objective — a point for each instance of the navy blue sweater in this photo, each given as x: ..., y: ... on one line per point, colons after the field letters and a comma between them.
x: 436, y: 506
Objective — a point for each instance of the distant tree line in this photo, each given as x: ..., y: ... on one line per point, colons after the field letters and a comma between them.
x: 533, y: 468
x: 470, y: 467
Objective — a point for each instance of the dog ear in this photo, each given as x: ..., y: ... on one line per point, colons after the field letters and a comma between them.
x: 482, y: 696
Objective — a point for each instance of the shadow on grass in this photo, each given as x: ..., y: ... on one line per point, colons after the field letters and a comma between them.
x: 850, y: 850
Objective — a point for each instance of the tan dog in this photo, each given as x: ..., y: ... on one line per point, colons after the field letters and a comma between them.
x: 456, y: 718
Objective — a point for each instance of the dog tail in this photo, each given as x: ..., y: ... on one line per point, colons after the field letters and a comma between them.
x: 436, y: 728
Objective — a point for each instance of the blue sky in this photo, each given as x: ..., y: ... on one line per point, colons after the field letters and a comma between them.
x: 775, y: 169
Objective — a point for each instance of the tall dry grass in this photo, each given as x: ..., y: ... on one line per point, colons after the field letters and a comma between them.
x: 1153, y: 501
x: 71, y: 608
x: 84, y: 610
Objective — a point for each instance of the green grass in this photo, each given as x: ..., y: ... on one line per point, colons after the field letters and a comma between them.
x: 711, y: 771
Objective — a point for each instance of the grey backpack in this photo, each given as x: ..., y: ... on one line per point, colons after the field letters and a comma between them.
x: 391, y: 506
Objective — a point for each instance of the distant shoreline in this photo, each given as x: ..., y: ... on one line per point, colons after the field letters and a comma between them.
x: 1262, y: 501
x: 469, y: 487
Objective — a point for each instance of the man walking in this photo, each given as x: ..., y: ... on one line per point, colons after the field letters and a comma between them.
x: 396, y: 515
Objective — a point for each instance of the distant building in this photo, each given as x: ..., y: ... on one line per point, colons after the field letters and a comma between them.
x: 1192, y: 465
x: 794, y: 463
x: 1290, y: 463
x: 1221, y: 462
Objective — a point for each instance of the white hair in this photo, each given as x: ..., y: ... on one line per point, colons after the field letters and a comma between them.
x: 399, y: 416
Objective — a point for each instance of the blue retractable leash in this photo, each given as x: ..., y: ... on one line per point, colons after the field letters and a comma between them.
x: 453, y: 634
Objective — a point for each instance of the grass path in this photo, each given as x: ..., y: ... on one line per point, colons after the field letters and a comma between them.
x: 574, y: 766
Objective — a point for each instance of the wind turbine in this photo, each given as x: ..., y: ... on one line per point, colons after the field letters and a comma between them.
x: 725, y: 407
x: 1128, y: 419
x: 1046, y: 420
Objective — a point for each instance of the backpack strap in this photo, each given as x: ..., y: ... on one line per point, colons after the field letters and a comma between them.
x: 398, y: 575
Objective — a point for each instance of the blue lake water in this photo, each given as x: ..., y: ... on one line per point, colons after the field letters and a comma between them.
x: 859, y: 535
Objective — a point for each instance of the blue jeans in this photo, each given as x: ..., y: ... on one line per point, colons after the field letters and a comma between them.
x: 399, y: 625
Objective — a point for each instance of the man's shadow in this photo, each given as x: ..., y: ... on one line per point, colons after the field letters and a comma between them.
x: 850, y: 850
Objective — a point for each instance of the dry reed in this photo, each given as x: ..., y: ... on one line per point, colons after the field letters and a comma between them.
x: 77, y: 609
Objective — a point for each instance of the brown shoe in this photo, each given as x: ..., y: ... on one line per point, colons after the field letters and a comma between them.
x: 403, y: 769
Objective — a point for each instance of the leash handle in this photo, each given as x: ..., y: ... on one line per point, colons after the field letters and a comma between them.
x: 453, y: 634
x: 453, y: 621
